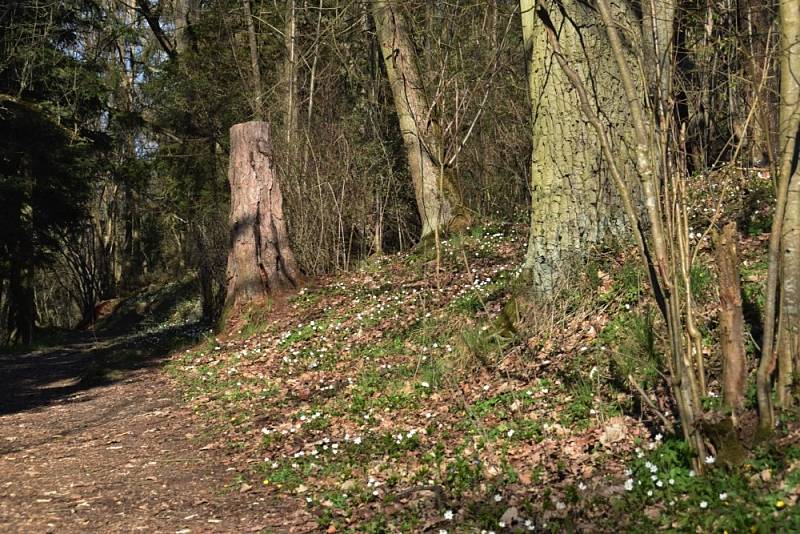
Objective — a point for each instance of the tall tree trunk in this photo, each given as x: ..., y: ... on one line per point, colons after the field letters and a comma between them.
x: 104, y: 222
x: 573, y: 203
x: 658, y: 17
x: 438, y: 200
x: 290, y: 79
x: 784, y: 235
x: 755, y: 23
x: 255, y: 69
x: 22, y: 306
x: 131, y: 249
x: 789, y: 235
x: 260, y: 260
x: 788, y: 342
x: 187, y: 13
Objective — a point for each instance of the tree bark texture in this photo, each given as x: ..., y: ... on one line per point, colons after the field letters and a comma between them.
x: 573, y: 199
x: 291, y: 121
x: 255, y: 70
x: 438, y: 200
x: 187, y: 14
x: 784, y: 239
x: 658, y: 17
x: 260, y: 260
x: 731, y: 320
x: 788, y: 342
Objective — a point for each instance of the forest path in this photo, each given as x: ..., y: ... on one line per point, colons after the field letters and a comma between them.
x: 117, y: 454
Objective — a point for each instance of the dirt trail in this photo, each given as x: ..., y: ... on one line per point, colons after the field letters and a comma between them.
x: 124, y: 456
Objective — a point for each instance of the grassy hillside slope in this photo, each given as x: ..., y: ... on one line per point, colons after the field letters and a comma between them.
x: 396, y: 399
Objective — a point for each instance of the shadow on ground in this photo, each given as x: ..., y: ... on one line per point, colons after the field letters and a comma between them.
x: 34, y: 379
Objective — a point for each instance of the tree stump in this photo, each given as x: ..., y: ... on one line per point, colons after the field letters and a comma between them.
x: 260, y: 260
x: 731, y: 320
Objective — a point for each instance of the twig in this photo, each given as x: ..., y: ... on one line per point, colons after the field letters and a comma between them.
x: 667, y: 423
x: 438, y: 491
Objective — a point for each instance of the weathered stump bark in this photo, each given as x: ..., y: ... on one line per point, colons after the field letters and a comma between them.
x: 260, y: 260
x: 731, y: 321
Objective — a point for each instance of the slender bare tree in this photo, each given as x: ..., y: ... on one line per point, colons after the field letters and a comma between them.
x: 782, y: 312
x: 438, y: 200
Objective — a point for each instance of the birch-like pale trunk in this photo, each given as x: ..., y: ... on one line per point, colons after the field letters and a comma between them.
x: 658, y: 33
x: 788, y: 340
x: 781, y: 313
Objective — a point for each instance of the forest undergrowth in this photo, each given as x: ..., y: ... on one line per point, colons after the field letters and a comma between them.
x: 396, y: 398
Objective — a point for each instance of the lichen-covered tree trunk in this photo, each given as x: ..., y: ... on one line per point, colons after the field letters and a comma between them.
x: 260, y: 260
x: 438, y: 200
x: 573, y: 203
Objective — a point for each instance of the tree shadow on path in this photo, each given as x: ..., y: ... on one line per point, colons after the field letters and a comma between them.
x: 41, y: 377
x: 97, y: 438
